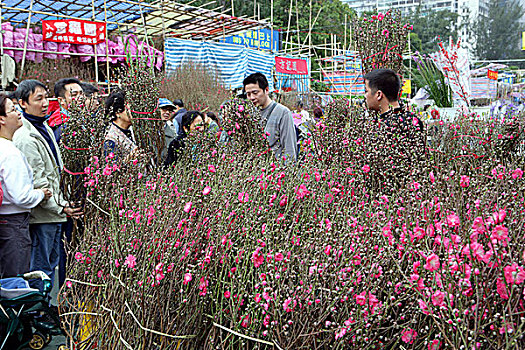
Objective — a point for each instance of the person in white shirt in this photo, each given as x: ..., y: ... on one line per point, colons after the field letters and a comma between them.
x: 305, y: 116
x: 16, y: 179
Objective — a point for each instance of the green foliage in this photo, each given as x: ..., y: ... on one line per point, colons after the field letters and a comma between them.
x: 427, y: 75
x: 430, y: 28
x: 498, y: 35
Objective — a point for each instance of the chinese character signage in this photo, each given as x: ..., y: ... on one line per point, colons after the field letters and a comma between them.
x: 291, y: 66
x: 493, y: 75
x: 256, y: 39
x: 74, y: 31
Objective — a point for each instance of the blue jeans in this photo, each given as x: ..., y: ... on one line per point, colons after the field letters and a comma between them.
x: 45, y: 251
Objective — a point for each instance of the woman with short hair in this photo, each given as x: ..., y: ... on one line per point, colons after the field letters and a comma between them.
x: 16, y: 179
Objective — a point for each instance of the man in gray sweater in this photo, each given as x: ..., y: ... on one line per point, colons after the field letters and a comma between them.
x: 276, y: 119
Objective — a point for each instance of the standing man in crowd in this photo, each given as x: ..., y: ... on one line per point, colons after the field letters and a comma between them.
x: 382, y: 87
x: 179, y: 112
x: 36, y: 141
x: 171, y: 128
x: 66, y: 90
x: 276, y: 119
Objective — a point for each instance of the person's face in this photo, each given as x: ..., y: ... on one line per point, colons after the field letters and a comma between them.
x: 92, y: 102
x: 37, y: 103
x: 125, y: 116
x: 372, y: 97
x: 258, y: 96
x: 73, y: 92
x: 197, y: 125
x: 167, y: 113
x: 13, y: 118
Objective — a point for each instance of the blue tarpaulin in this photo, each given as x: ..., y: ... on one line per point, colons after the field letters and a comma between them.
x: 232, y: 62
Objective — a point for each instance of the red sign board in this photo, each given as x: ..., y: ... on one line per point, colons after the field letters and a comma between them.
x: 291, y: 66
x: 493, y: 75
x: 74, y: 31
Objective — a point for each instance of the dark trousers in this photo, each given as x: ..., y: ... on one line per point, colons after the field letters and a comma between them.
x: 15, y: 244
x: 67, y: 229
x: 45, y: 252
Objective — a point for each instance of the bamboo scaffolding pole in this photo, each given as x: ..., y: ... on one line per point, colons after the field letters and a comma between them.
x: 107, y: 47
x: 297, y: 22
x: 94, y: 45
x: 271, y: 26
x: 26, y: 40
x: 289, y: 22
x: 62, y: 53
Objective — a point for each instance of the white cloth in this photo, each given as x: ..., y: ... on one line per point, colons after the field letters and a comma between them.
x: 16, y: 178
x: 305, y: 116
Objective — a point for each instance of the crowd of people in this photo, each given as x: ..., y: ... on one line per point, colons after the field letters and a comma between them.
x: 34, y: 216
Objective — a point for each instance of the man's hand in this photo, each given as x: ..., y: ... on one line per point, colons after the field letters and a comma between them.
x: 74, y: 212
x: 47, y: 193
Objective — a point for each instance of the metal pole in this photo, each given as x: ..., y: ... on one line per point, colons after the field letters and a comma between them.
x: 26, y: 40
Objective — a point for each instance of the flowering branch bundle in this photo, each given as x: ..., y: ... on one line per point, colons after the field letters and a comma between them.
x: 381, y: 41
x: 233, y: 250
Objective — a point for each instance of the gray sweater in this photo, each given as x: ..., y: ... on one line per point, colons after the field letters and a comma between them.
x: 280, y: 129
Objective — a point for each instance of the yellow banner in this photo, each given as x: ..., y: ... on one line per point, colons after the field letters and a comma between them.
x: 523, y: 40
x: 407, y: 87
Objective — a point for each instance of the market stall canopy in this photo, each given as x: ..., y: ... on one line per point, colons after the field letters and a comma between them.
x: 158, y: 17
x: 483, y: 70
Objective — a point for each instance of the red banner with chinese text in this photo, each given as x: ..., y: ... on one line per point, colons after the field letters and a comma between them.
x: 291, y: 66
x: 493, y: 75
x: 74, y: 31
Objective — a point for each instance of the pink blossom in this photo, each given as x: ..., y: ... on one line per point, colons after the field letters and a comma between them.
x: 211, y: 168
x: 499, y: 216
x: 366, y: 168
x: 465, y: 181
x: 187, y: 207
x: 245, y: 321
x: 385, y: 32
x: 117, y: 264
x: 432, y: 262
x: 434, y: 345
x: 301, y: 191
x: 500, y: 234
x: 502, y: 289
x: 203, y: 286
x: 130, y: 262
x: 438, y: 298
x: 79, y: 256
x: 517, y: 174
x: 453, y: 220
x: 69, y: 284
x: 408, y: 335
x: 360, y: 299
x: 327, y: 249
x: 283, y: 201
x: 432, y: 178
x: 423, y: 306
x: 187, y: 278
x: 206, y: 190
x: 240, y: 108
x: 257, y: 258
x: 227, y: 294
x: 243, y: 197
x: 279, y: 257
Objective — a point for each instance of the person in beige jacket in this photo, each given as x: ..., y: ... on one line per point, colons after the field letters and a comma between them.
x: 36, y: 141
